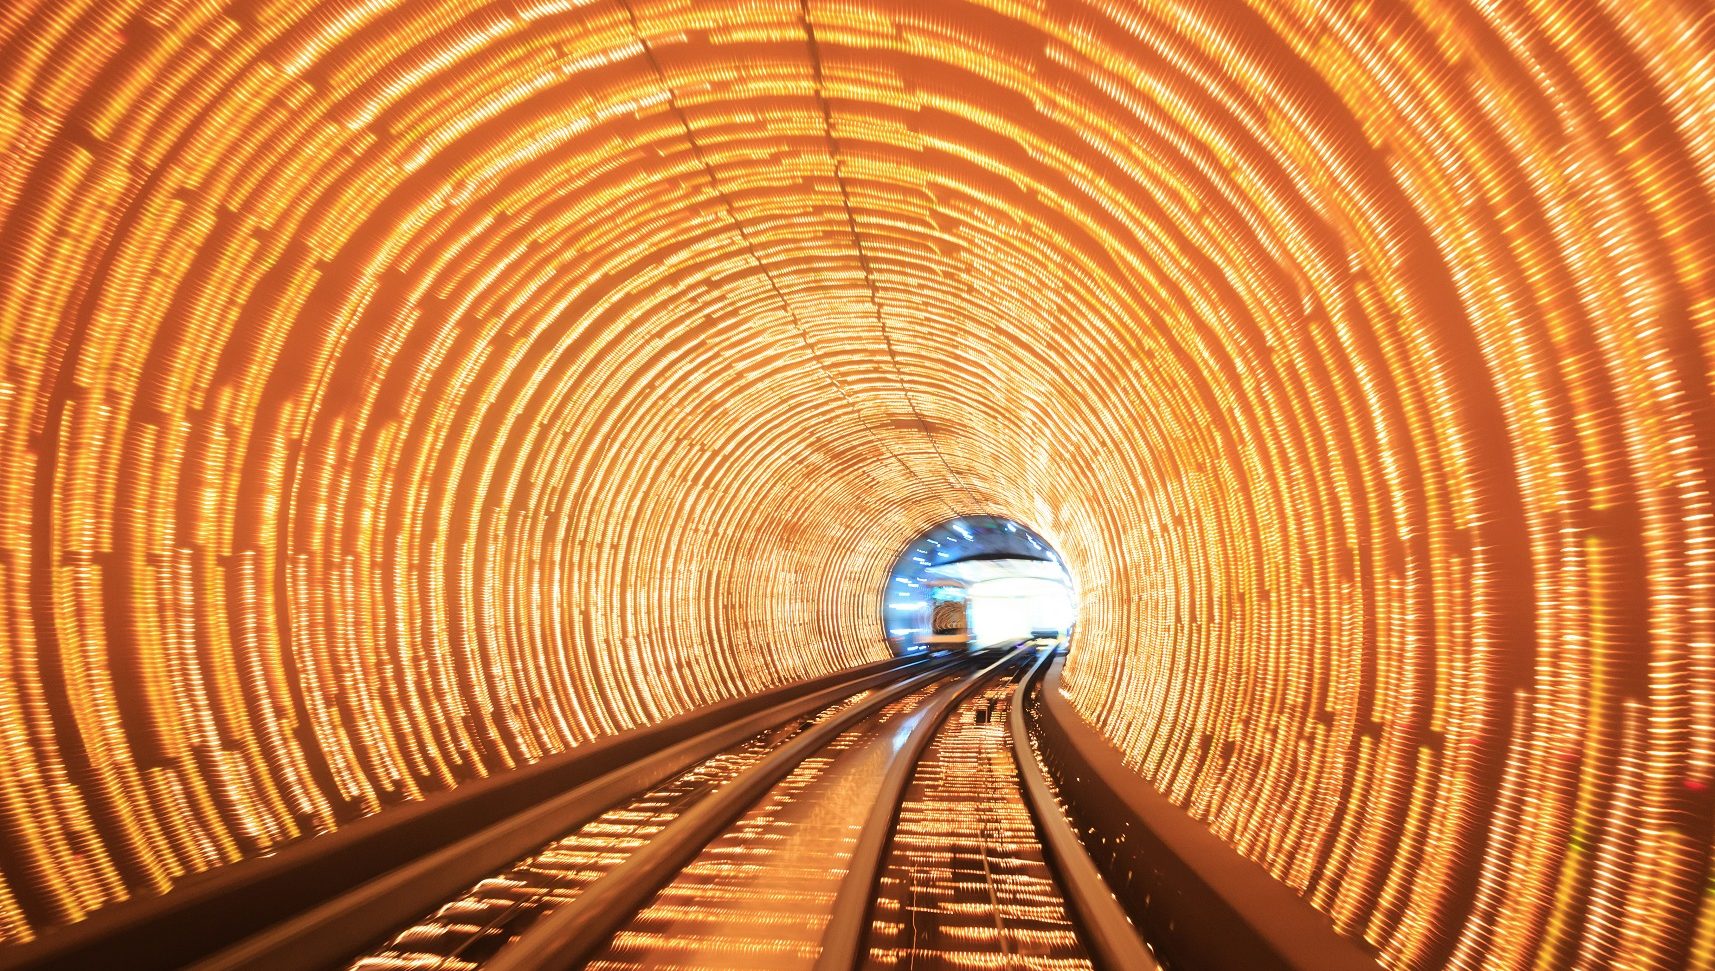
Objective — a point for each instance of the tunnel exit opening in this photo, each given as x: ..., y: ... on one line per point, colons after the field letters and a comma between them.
x: 975, y: 582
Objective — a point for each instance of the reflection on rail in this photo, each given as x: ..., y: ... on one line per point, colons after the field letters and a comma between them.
x: 966, y: 879
x: 900, y: 823
x: 759, y: 896
x: 469, y: 930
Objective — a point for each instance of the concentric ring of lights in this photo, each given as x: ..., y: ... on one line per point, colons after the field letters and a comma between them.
x: 398, y: 392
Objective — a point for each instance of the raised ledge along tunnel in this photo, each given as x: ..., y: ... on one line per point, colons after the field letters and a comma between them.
x: 400, y: 394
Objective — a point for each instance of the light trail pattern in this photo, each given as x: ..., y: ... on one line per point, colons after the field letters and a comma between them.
x: 395, y: 391
x: 965, y: 884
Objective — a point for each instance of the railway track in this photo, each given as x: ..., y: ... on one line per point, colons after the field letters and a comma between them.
x: 902, y: 822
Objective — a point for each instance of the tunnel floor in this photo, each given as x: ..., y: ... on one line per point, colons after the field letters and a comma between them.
x: 960, y: 881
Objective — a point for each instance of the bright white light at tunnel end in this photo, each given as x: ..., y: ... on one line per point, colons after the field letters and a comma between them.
x: 1045, y: 596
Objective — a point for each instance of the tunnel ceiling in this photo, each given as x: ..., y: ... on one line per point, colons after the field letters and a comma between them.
x: 395, y: 393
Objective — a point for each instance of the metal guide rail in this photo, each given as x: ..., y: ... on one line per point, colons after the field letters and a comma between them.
x: 970, y: 882
x: 315, y: 902
x: 757, y: 896
x: 472, y: 928
x: 1113, y: 941
x: 966, y: 882
x: 349, y: 924
x: 899, y: 823
x: 580, y: 931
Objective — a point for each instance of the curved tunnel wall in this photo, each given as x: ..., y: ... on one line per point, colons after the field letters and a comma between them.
x: 395, y: 392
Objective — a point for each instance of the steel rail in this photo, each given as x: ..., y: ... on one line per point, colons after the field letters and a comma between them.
x: 208, y: 912
x: 570, y: 935
x: 1109, y: 936
x: 361, y: 917
x: 845, y: 939
x: 1200, y: 902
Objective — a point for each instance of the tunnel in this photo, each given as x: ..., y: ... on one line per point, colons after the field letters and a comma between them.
x: 403, y: 398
